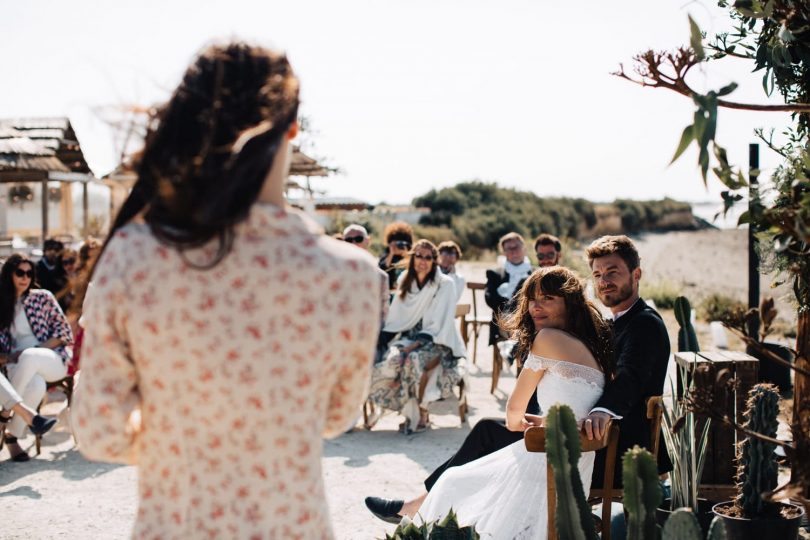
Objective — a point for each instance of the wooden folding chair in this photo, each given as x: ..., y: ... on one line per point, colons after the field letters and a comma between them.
x: 655, y: 413
x: 476, y: 320
x: 66, y: 385
x: 535, y: 440
x: 462, y: 310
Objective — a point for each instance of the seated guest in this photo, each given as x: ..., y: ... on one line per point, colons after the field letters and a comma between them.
x: 70, y: 263
x: 398, y: 239
x: 548, y: 249
x: 34, y: 336
x: 11, y: 402
x: 421, y: 360
x: 358, y: 235
x: 502, y: 282
x: 449, y: 255
x: 50, y: 274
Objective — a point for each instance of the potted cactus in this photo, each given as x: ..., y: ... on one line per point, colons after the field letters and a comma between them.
x: 752, y: 514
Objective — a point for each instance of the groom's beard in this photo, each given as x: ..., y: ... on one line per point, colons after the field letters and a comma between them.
x: 617, y: 295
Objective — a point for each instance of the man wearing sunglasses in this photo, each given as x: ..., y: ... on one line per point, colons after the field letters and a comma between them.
x: 50, y: 274
x: 357, y: 235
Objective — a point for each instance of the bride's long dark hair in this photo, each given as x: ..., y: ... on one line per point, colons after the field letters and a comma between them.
x: 583, y: 319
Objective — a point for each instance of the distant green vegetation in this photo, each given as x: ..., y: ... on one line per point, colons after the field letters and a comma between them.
x: 477, y: 214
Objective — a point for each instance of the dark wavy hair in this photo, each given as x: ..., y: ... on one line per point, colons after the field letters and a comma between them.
x: 582, y: 318
x: 209, y: 149
x: 8, y: 293
x: 410, y: 272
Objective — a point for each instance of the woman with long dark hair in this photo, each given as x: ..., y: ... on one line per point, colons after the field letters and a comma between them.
x: 569, y: 359
x: 225, y: 334
x: 35, y: 341
x: 423, y: 340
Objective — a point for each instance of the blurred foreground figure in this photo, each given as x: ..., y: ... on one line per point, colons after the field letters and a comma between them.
x: 224, y: 333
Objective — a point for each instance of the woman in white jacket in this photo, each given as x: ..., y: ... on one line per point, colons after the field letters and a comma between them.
x: 421, y: 360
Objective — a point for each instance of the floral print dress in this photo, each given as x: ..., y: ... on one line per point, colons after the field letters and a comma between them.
x: 221, y: 383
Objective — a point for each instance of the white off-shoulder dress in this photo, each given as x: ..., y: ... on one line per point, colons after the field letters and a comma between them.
x: 504, y: 494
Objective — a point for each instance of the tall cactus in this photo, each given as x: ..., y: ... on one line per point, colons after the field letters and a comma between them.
x: 757, y: 469
x: 642, y: 494
x: 687, y: 338
x: 573, y: 515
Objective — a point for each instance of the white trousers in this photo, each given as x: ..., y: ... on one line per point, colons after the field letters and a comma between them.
x: 8, y: 396
x: 34, y: 368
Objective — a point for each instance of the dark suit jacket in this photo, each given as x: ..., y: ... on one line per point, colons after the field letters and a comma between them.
x: 642, y: 355
x: 497, y: 302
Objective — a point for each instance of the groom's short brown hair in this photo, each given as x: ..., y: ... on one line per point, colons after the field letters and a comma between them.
x: 608, y: 245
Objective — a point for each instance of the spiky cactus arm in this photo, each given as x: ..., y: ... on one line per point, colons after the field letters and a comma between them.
x: 642, y: 494
x: 757, y: 469
x: 573, y: 517
x: 687, y: 337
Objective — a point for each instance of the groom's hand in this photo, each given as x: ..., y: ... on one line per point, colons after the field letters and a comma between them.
x: 596, y: 425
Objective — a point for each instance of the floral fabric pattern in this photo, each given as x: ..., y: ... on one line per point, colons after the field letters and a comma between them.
x: 236, y: 372
x: 395, y: 379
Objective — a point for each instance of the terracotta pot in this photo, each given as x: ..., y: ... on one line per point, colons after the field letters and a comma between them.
x: 777, y: 528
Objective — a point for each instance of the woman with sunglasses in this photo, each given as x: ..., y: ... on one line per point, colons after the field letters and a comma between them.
x: 424, y: 340
x: 35, y: 340
x: 224, y: 334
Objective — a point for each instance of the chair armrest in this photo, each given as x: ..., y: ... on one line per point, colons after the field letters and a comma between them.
x: 535, y: 439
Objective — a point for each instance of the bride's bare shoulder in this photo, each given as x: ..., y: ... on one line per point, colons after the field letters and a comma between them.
x: 560, y: 345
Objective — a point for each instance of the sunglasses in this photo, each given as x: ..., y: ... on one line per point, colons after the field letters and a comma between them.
x: 423, y: 257
x: 354, y: 239
x: 24, y: 273
x: 68, y: 261
x: 549, y: 256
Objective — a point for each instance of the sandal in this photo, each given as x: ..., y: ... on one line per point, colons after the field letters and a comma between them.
x: 19, y: 457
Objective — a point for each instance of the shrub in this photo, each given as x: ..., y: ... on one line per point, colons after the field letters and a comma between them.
x: 718, y: 307
x: 662, y: 292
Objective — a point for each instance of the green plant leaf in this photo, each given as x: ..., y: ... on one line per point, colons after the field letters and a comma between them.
x: 696, y: 39
x: 687, y: 137
x: 726, y: 90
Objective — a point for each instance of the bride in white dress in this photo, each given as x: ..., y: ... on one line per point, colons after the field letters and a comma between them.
x: 570, y: 355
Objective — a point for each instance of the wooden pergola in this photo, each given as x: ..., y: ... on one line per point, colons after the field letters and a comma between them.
x: 43, y: 150
x: 121, y: 179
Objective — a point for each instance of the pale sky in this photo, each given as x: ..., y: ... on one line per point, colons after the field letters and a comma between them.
x: 407, y: 95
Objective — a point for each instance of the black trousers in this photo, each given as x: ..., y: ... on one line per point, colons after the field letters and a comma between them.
x: 487, y: 436
x: 490, y: 435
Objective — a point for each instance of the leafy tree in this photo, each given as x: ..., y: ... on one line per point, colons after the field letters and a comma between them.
x: 774, y: 35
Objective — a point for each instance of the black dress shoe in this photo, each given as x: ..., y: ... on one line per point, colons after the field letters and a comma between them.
x: 385, y: 509
x: 41, y: 424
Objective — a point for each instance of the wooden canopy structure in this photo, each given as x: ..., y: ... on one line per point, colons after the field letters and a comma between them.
x: 43, y: 150
x: 121, y: 179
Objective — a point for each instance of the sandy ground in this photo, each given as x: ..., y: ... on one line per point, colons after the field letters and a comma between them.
x: 61, y: 495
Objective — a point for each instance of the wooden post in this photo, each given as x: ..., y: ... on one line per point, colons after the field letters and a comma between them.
x: 801, y: 403
x: 753, y: 259
x: 44, y: 210
x: 85, y: 207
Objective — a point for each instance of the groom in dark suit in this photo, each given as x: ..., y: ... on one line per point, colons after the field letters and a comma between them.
x: 642, y: 354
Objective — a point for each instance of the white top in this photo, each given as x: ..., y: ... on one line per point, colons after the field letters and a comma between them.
x: 435, y: 305
x: 22, y: 337
x: 460, y: 283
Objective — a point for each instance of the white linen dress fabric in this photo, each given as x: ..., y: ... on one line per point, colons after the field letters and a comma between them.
x: 504, y: 494
x: 237, y: 372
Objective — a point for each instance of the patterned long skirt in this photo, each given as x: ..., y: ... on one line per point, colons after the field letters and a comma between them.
x: 395, y: 379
